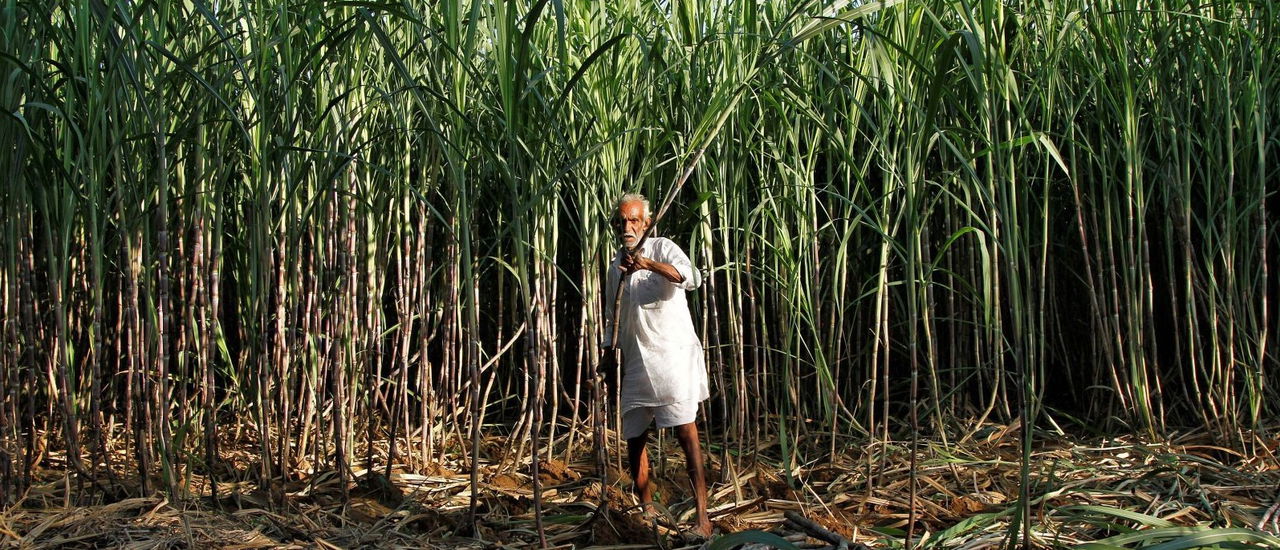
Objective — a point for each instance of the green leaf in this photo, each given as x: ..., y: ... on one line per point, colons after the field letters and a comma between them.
x: 971, y: 522
x: 830, y: 18
x: 1138, y: 517
x: 1148, y: 535
x: 1218, y: 536
x: 751, y: 537
x: 1053, y: 152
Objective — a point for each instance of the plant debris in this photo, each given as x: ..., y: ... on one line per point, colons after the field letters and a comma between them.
x: 968, y: 493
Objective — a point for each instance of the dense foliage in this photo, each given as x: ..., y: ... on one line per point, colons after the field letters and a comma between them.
x: 320, y: 224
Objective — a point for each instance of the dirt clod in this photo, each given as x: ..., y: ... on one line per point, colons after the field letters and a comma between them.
x: 555, y: 472
x: 505, y: 481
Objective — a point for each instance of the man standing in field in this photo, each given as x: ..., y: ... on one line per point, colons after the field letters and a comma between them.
x: 663, y: 376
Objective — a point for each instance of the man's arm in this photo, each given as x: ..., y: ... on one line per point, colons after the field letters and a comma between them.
x: 638, y: 262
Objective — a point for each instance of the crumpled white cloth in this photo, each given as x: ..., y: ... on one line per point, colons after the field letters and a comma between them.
x: 662, y: 356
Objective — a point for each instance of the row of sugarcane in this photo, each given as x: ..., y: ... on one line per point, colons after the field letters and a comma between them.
x: 372, y: 233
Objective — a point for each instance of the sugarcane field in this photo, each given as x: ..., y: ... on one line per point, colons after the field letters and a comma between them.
x: 639, y: 274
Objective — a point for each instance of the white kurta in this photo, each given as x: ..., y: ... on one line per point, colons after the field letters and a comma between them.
x: 662, y: 356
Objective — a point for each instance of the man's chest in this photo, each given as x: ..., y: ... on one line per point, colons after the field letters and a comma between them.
x: 646, y: 289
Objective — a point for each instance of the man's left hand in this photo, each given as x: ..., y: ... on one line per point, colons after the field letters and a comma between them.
x: 636, y: 262
x: 632, y: 263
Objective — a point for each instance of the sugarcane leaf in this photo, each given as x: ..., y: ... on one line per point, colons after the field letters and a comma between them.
x: 751, y: 537
x: 1137, y: 517
x: 1219, y: 536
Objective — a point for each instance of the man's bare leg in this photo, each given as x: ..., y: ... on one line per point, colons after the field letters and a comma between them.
x: 687, y: 434
x: 638, y: 456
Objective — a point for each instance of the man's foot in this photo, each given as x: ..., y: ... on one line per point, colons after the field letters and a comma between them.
x: 649, y: 511
x: 698, y: 534
x: 703, y: 529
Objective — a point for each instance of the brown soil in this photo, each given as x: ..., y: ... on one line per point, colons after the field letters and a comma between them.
x: 555, y: 472
x: 505, y: 481
x: 771, y: 484
x: 439, y: 470
x: 836, y: 521
x: 623, y: 528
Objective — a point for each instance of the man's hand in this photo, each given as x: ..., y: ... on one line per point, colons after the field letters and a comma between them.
x: 608, y: 361
x: 636, y: 262
x: 608, y: 369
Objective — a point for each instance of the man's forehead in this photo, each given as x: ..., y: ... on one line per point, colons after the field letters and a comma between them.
x: 631, y: 209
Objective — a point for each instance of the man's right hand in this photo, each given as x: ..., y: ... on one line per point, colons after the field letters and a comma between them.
x: 608, y: 362
x: 609, y: 370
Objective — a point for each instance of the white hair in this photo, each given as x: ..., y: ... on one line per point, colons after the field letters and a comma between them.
x: 633, y: 197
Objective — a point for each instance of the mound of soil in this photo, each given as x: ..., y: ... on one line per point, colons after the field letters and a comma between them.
x: 555, y: 472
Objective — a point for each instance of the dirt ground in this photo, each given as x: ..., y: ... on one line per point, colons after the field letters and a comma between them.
x: 965, y: 493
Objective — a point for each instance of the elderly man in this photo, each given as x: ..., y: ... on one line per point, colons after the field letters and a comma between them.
x: 663, y: 375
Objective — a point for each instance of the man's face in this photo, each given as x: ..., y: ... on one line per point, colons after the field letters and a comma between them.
x: 630, y: 222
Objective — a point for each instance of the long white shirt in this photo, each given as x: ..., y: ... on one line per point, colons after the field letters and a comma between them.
x: 661, y: 353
